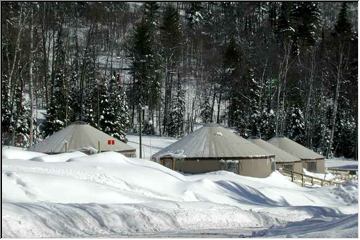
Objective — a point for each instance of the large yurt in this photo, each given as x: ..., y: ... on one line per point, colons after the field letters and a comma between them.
x: 311, y: 160
x: 283, y: 159
x: 80, y: 136
x: 213, y: 148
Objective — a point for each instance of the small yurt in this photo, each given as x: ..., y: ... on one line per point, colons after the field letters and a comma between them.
x: 283, y: 159
x: 311, y: 160
x: 213, y: 148
x: 80, y: 136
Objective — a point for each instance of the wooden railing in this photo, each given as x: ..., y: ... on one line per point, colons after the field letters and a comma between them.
x: 344, y: 174
x: 307, y: 178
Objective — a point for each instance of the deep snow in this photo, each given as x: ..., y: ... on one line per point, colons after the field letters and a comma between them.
x: 109, y: 195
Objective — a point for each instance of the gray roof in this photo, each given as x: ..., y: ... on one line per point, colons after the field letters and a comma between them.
x: 280, y: 155
x: 79, y: 135
x: 213, y: 141
x: 294, y: 148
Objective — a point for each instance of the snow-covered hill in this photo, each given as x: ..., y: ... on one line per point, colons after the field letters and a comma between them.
x: 109, y: 195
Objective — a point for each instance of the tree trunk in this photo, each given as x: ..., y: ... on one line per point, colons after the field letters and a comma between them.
x: 308, y: 122
x: 262, y: 84
x: 278, y: 104
x: 31, y: 95
x: 159, y: 118
x: 286, y: 68
x: 282, y: 78
x: 192, y: 116
x: 218, y: 109
x: 133, y: 116
x: 45, y: 64
x: 336, y: 100
x: 166, y: 103
x: 16, y: 50
x: 212, y: 105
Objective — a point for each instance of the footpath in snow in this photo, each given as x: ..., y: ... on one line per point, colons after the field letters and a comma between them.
x: 109, y: 195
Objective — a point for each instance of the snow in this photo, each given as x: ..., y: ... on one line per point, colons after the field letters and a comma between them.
x: 218, y: 134
x: 62, y: 157
x: 326, y: 176
x: 41, y: 114
x: 341, y: 163
x: 9, y: 152
x: 110, y: 195
x: 179, y: 154
x: 150, y: 144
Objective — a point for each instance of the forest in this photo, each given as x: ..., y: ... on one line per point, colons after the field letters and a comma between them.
x: 261, y: 68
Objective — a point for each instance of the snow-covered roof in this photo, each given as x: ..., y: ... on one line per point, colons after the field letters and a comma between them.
x: 213, y: 141
x: 294, y: 148
x: 280, y: 155
x: 79, y: 135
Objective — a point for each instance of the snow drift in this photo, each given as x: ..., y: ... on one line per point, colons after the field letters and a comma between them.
x: 108, y: 194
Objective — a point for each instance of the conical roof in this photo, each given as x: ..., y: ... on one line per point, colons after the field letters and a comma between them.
x: 294, y: 148
x: 213, y: 141
x: 280, y: 155
x: 79, y: 135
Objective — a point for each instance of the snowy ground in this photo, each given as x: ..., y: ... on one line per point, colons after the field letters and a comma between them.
x: 342, y: 163
x: 109, y: 195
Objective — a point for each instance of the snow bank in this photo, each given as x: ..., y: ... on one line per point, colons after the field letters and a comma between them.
x: 62, y: 157
x: 18, y: 153
x: 331, y: 227
x: 325, y: 176
x: 108, y: 194
x: 87, y: 220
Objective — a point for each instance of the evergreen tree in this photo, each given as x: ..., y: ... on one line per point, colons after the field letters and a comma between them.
x: 284, y: 29
x: 145, y: 66
x: 75, y: 92
x: 295, y: 125
x: 305, y: 17
x: 57, y: 110
x: 254, y: 110
x: 339, y: 63
x: 106, y: 115
x: 193, y: 14
x: 230, y: 81
x: 151, y: 14
x: 267, y: 123
x: 88, y: 79
x: 206, y: 111
x: 5, y: 110
x: 151, y: 18
x: 21, y: 127
x: 118, y: 110
x: 170, y: 38
x: 90, y: 106
x: 343, y: 28
x: 176, y: 123
x: 345, y: 139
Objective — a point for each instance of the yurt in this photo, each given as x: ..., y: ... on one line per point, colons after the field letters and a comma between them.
x: 213, y: 148
x: 311, y: 160
x: 80, y: 136
x: 283, y: 159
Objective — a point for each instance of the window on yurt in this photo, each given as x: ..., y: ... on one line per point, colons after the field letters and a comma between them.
x: 311, y: 166
x: 232, y: 166
x: 229, y: 165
